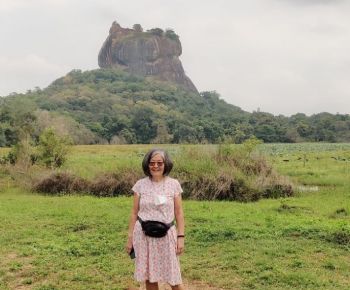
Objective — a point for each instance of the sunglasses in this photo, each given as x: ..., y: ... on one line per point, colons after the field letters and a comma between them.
x: 158, y: 163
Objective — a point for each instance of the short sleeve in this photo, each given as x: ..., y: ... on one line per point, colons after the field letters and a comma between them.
x: 137, y: 187
x: 177, y: 187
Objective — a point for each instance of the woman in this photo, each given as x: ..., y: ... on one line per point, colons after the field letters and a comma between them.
x: 157, y: 197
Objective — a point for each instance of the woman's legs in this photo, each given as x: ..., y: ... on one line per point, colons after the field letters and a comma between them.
x: 151, y: 286
x: 178, y: 287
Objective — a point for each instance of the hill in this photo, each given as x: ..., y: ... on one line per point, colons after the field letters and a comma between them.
x: 113, y: 106
x: 109, y: 105
x: 142, y: 95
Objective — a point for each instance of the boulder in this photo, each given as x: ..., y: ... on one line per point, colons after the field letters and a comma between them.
x: 151, y: 53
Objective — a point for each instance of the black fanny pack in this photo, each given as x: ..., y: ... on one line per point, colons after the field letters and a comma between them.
x: 154, y: 229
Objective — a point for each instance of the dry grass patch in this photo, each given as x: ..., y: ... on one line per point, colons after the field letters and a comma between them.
x: 18, y: 271
x: 104, y: 185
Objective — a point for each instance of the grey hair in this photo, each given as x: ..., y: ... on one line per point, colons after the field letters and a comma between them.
x: 168, y: 164
x: 160, y: 152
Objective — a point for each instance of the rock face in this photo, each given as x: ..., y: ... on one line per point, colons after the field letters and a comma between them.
x: 152, y: 53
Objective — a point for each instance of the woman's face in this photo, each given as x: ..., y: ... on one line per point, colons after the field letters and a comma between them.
x: 156, y: 166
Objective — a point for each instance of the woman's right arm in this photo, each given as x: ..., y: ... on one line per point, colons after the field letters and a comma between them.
x: 132, y: 221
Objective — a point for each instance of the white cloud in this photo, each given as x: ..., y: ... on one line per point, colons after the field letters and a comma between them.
x: 28, y: 64
x: 21, y: 74
x: 282, y: 56
x: 6, y: 6
x: 12, y: 5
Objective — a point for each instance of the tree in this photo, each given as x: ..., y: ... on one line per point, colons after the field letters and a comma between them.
x: 17, y: 120
x: 242, y: 132
x: 22, y: 153
x: 156, y: 31
x: 293, y: 135
x: 128, y: 135
x: 137, y: 27
x: 212, y: 131
x: 170, y: 33
x: 163, y: 136
x: 143, y: 124
x: 185, y: 134
x: 53, y: 149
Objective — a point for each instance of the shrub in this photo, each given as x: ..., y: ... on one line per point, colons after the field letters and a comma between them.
x: 11, y: 158
x: 340, y: 213
x: 156, y: 31
x: 171, y: 34
x: 277, y: 190
x: 53, y: 149
x: 61, y: 183
x: 105, y: 185
x: 205, y: 174
x: 109, y: 184
x: 217, y: 187
x: 230, y: 173
x: 23, y: 153
x: 340, y: 237
x: 242, y: 155
x: 137, y: 27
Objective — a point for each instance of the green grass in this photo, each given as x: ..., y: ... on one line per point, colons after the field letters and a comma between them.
x: 77, y: 242
x: 314, y: 164
x: 87, y: 161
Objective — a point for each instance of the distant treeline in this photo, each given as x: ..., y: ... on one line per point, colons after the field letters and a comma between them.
x: 110, y: 106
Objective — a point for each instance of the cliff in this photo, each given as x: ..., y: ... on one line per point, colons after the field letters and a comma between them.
x: 152, y: 53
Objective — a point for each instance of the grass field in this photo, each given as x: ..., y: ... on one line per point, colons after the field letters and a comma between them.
x: 77, y: 242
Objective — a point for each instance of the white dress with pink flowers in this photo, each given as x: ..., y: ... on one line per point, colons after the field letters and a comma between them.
x: 156, y: 258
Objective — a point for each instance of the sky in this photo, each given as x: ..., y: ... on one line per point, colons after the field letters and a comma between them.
x: 277, y: 56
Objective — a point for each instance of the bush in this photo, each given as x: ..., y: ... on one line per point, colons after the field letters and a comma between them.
x: 277, y: 190
x: 105, y: 185
x: 218, y: 187
x: 11, y: 157
x: 230, y: 173
x: 111, y: 184
x: 340, y: 213
x: 53, y: 149
x: 61, y: 183
x: 171, y: 34
x: 137, y: 27
x: 340, y: 237
x: 205, y: 174
x: 23, y: 154
x: 156, y: 31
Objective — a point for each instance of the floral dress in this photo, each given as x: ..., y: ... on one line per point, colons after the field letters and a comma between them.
x: 156, y: 258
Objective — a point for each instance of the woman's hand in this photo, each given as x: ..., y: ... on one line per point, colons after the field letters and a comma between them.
x: 133, y: 219
x: 180, y: 223
x: 180, y: 245
x: 128, y: 246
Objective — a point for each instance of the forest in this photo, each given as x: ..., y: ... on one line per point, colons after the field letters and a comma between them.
x: 109, y: 106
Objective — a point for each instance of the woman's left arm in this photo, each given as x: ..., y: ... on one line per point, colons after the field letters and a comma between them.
x: 180, y: 223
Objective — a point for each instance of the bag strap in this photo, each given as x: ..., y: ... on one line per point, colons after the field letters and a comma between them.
x: 140, y: 220
x: 169, y: 225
